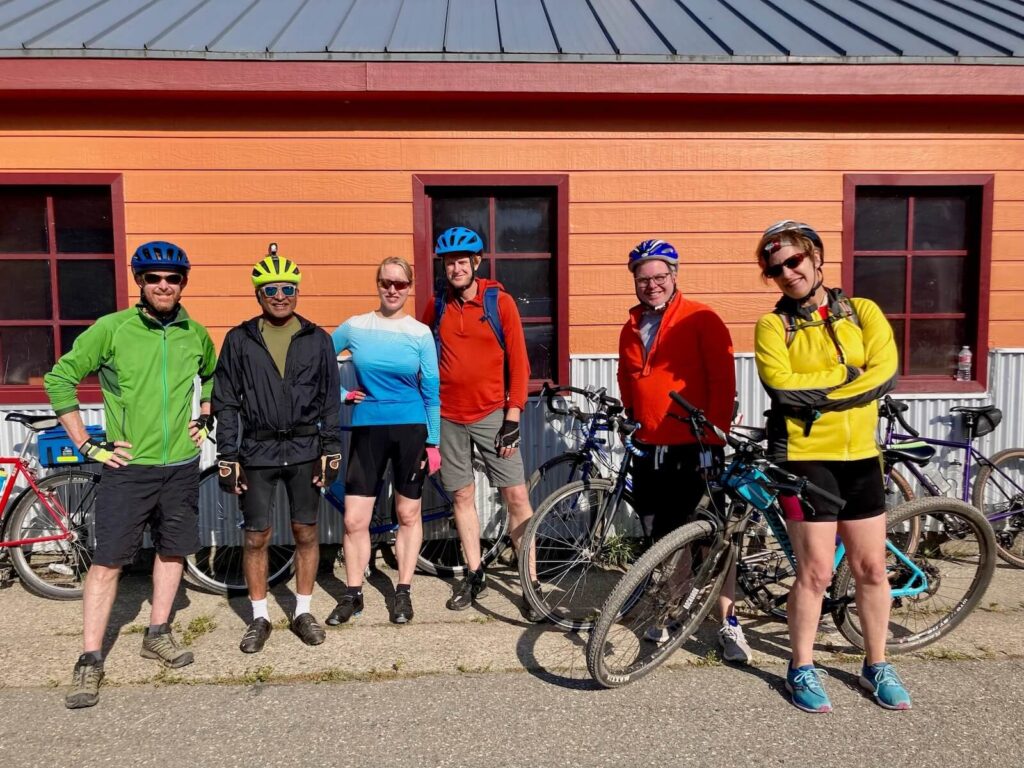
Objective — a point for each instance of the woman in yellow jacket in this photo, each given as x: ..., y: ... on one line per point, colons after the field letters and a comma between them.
x: 824, y: 360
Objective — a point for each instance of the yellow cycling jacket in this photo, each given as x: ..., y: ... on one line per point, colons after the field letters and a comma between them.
x: 825, y: 382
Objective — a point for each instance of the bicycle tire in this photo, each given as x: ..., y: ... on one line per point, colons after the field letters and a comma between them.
x: 553, y: 474
x: 648, y: 599
x: 765, y: 573
x: 441, y: 551
x: 900, y: 493
x: 993, y: 496
x: 56, y: 569
x: 957, y: 553
x: 217, y: 566
x: 581, y: 550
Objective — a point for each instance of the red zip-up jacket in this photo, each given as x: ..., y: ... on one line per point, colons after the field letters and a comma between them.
x: 691, y: 354
x: 472, y: 364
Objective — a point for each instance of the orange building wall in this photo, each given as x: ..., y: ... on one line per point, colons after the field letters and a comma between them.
x: 336, y: 194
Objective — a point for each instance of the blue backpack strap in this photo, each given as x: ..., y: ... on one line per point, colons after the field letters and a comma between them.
x: 491, y: 314
x: 439, y: 305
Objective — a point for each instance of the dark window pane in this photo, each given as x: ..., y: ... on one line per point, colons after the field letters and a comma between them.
x: 25, y: 290
x: 68, y: 334
x: 87, y: 289
x: 881, y: 221
x: 540, y: 348
x: 941, y: 223
x: 523, y: 224
x: 83, y: 220
x: 470, y: 212
x: 937, y: 284
x: 881, y: 279
x: 529, y: 281
x: 484, y: 270
x: 934, y: 346
x: 22, y: 220
x: 897, y: 334
x: 26, y: 353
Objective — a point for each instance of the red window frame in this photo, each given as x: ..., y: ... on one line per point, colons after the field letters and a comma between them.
x: 17, y: 394
x: 983, y: 182
x: 489, y: 184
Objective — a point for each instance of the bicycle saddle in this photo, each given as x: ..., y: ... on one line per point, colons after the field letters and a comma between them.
x: 974, y: 410
x: 915, y: 453
x: 34, y: 423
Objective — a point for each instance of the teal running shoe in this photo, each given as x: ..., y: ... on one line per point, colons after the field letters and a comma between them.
x: 886, y: 686
x: 804, y: 683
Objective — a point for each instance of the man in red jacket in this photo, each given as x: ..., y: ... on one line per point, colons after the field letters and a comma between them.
x: 671, y: 343
x: 483, y: 391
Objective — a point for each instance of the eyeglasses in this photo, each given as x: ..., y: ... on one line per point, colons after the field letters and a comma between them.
x: 775, y: 270
x: 270, y: 291
x: 398, y: 285
x: 151, y: 278
x: 660, y: 279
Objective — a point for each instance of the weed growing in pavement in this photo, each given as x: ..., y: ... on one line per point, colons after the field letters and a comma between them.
x: 709, y: 659
x: 947, y: 654
x: 133, y: 629
x: 468, y: 669
x: 281, y: 623
x: 198, y: 627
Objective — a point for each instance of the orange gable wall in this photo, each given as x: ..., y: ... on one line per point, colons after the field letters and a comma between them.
x: 336, y: 194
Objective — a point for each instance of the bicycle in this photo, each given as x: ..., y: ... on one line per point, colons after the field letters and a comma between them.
x: 998, y: 490
x: 936, y: 579
x: 218, y: 564
x: 47, y: 531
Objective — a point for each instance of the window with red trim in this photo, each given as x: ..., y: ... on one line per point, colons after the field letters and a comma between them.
x: 61, y: 271
x: 919, y: 250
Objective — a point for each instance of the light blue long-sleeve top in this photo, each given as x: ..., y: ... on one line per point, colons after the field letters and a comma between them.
x: 395, y: 363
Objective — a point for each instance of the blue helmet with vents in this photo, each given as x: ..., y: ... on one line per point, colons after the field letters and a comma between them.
x: 653, y: 249
x: 159, y: 254
x: 459, y: 240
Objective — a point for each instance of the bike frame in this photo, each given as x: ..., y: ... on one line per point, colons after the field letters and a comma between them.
x: 339, y: 504
x: 20, y: 469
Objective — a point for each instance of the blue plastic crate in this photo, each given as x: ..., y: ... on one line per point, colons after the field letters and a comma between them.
x: 57, y: 450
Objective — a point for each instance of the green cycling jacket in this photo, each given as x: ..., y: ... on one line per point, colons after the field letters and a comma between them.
x: 147, y: 374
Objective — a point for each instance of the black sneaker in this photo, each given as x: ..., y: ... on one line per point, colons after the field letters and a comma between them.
x: 528, y: 611
x: 402, y: 613
x: 308, y: 629
x: 347, y: 607
x: 255, y: 636
x: 85, y: 685
x: 470, y: 588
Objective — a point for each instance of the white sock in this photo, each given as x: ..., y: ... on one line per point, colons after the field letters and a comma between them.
x: 302, y: 604
x: 259, y: 609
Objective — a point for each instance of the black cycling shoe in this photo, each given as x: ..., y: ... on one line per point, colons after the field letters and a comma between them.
x: 255, y: 636
x: 347, y: 607
x: 402, y: 613
x: 308, y: 629
x: 528, y: 611
x: 473, y: 584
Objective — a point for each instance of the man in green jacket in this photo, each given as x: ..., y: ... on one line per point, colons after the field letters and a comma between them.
x: 147, y: 358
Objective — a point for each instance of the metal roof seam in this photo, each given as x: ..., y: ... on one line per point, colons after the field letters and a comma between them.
x: 756, y: 29
x: 64, y: 22
x: 176, y: 24
x: 394, y: 26
x: 604, y: 29
x: 664, y: 40
x: 707, y: 30
x: 995, y: 7
x: 232, y: 25
x: 287, y: 24
x: 990, y: 22
x: 120, y: 22
x: 444, y: 35
x: 917, y: 33
x: 806, y: 28
x: 554, y: 35
x: 28, y: 13
x: 341, y: 23
x: 856, y: 27
x: 956, y: 27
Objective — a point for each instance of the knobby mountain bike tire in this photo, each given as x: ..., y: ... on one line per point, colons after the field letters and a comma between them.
x: 956, y: 551
x: 56, y: 569
x: 582, y: 540
x: 995, y: 496
x: 658, y: 604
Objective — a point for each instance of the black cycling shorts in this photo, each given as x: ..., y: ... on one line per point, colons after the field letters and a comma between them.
x: 129, y: 498
x: 858, y: 482
x: 372, y: 447
x: 258, y: 501
x: 668, y: 485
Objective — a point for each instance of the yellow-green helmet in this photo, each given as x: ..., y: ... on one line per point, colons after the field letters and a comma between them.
x: 273, y: 269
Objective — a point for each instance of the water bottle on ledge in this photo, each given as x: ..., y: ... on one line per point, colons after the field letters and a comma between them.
x: 963, y: 364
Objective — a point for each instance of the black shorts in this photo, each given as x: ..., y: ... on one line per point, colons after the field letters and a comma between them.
x: 258, y: 501
x: 129, y: 498
x: 858, y: 482
x: 668, y: 485
x: 369, y: 451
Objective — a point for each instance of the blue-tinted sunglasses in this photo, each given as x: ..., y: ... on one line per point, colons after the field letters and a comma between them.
x: 270, y: 291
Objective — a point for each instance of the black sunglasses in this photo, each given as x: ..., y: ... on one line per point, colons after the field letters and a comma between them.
x: 775, y: 270
x: 398, y: 285
x: 270, y: 291
x: 152, y: 278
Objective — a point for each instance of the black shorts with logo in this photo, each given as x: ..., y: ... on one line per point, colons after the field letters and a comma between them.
x: 859, y: 483
x: 370, y: 449
x: 257, y: 500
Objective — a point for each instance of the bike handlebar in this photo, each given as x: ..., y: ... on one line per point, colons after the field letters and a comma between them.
x: 893, y: 409
x: 598, y: 397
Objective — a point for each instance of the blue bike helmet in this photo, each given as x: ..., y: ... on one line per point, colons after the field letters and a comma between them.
x: 159, y: 255
x: 459, y: 240
x: 653, y: 249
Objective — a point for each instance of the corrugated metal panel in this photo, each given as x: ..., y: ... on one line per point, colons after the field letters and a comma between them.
x: 200, y: 27
x: 727, y: 25
x: 959, y: 41
x: 70, y: 31
x: 257, y: 27
x: 882, y: 27
x: 841, y: 32
x: 134, y: 30
x: 683, y: 32
x: 472, y: 27
x: 576, y: 28
x: 629, y: 30
x: 367, y: 27
x: 420, y: 27
x: 524, y: 27
x: 980, y: 21
x: 313, y: 27
x: 798, y: 39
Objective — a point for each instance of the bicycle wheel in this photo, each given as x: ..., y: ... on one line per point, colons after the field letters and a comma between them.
x: 56, y: 569
x: 552, y: 475
x: 217, y: 566
x: 898, y: 490
x: 659, y: 603
x: 956, y: 553
x: 441, y: 551
x: 583, y: 540
x: 764, y: 572
x: 999, y: 494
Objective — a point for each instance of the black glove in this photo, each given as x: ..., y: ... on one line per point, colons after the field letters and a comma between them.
x: 508, y: 435
x: 97, y: 450
x: 327, y: 472
x: 204, y: 424
x: 230, y: 475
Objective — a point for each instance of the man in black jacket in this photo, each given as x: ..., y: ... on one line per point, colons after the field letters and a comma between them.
x: 276, y: 399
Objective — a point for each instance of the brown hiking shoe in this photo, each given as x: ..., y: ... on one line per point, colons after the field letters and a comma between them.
x: 160, y: 645
x: 85, y: 685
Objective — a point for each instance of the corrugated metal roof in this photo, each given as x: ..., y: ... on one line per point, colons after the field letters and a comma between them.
x: 519, y: 30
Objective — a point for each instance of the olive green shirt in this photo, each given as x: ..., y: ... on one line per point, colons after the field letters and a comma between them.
x: 278, y: 338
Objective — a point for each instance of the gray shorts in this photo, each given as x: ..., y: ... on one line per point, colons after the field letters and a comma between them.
x: 457, y: 457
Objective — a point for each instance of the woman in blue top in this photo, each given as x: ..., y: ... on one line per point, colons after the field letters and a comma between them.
x: 397, y: 417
